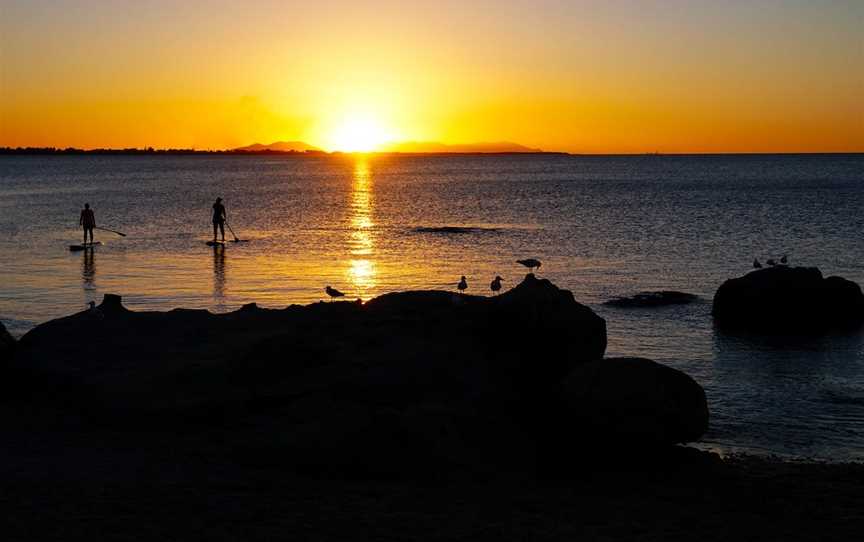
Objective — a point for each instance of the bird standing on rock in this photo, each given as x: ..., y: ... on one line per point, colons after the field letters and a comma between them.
x: 463, y: 284
x: 333, y: 292
x: 495, y: 286
x: 94, y: 310
x: 756, y: 264
x: 784, y: 260
x: 530, y: 263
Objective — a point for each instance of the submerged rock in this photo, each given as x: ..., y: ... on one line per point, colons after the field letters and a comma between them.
x: 635, y: 400
x: 445, y: 230
x: 653, y: 299
x: 788, y: 299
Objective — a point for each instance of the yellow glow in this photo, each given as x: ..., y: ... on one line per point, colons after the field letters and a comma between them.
x: 362, y: 275
x: 361, y: 271
x: 358, y: 133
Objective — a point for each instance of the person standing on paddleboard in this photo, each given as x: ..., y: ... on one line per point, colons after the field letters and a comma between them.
x: 87, y: 221
x: 219, y: 218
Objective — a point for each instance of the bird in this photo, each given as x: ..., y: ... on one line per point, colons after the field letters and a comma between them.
x: 530, y: 263
x: 756, y: 264
x: 784, y: 260
x: 463, y: 284
x: 333, y: 292
x: 496, y: 284
x: 771, y: 262
x: 94, y: 310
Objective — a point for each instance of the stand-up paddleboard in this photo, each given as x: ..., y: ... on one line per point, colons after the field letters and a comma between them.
x: 215, y: 243
x: 75, y: 248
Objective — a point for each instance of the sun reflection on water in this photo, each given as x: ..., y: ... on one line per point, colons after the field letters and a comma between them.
x: 361, y: 272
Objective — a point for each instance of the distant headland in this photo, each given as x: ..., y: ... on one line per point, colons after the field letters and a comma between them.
x: 279, y: 146
x: 294, y: 148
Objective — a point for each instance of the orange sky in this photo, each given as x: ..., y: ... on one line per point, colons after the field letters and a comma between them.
x: 593, y: 77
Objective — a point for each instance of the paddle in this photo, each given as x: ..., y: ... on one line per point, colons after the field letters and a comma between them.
x: 112, y: 231
x: 236, y: 240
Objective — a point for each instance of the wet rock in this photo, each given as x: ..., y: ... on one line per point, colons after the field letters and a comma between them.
x: 653, y: 299
x: 788, y: 300
x: 635, y: 401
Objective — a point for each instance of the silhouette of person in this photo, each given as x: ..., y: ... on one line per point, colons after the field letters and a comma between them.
x: 87, y: 221
x: 219, y: 218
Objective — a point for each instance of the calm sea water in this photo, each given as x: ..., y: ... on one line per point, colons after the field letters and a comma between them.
x: 603, y: 226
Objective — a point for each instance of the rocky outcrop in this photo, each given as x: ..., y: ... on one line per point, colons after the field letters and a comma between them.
x: 788, y: 299
x: 635, y: 400
x: 409, y: 344
x: 653, y: 299
x: 401, y: 382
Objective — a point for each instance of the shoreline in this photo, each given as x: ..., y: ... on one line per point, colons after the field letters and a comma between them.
x: 71, y: 477
x: 173, y: 484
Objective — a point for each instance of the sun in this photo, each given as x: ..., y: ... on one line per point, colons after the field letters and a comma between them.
x: 358, y: 133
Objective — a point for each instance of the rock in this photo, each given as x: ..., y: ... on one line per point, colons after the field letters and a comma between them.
x: 399, y: 349
x: 542, y: 332
x: 653, y: 299
x: 634, y: 401
x: 407, y: 380
x: 788, y: 299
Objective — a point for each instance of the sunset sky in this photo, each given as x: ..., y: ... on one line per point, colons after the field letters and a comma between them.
x: 578, y: 76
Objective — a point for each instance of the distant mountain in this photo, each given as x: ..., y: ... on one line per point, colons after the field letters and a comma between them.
x: 435, y: 147
x: 419, y: 147
x: 279, y: 146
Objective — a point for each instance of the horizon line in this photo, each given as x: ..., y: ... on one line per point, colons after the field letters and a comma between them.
x: 6, y: 150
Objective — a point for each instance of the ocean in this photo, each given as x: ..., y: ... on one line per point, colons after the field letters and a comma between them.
x: 603, y: 226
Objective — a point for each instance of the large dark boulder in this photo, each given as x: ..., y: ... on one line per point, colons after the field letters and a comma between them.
x: 398, y: 349
x: 788, y: 299
x: 635, y: 401
x: 402, y: 381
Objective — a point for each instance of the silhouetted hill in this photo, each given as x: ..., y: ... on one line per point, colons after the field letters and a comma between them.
x: 281, y: 146
x: 435, y: 147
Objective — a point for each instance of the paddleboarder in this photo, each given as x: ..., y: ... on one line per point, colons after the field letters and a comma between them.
x: 88, y: 222
x: 219, y: 218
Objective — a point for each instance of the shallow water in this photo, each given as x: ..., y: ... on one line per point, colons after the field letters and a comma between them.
x: 603, y: 227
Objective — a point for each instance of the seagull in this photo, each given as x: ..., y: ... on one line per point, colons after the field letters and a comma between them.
x: 94, y: 310
x: 784, y: 260
x: 496, y: 284
x: 530, y: 263
x: 771, y: 262
x: 333, y: 292
x: 756, y: 264
x: 463, y: 284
